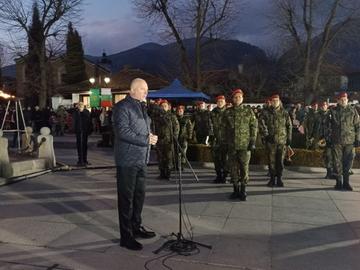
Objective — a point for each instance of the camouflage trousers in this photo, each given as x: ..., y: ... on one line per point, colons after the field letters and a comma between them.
x: 239, y: 161
x: 276, y: 155
x: 220, y: 157
x: 343, y: 157
x: 166, y: 156
x: 327, y: 157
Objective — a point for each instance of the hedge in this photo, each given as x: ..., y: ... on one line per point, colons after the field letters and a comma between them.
x: 302, y: 157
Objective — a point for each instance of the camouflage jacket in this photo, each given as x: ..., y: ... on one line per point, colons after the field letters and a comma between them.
x: 319, y: 125
x: 241, y: 127
x: 201, y: 122
x: 217, y: 128
x: 309, y: 123
x: 342, y: 125
x: 277, y: 124
x: 167, y: 126
x: 186, y: 128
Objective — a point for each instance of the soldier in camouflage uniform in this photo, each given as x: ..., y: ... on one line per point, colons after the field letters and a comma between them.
x: 241, y: 130
x: 201, y: 122
x: 309, y: 126
x: 167, y: 126
x: 343, y: 133
x: 185, y: 133
x: 320, y: 130
x: 218, y: 140
x: 276, y: 130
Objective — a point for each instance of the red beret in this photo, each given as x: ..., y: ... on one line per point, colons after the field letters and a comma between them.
x: 180, y: 107
x: 164, y: 101
x: 200, y: 102
x: 220, y: 97
x: 274, y: 96
x: 237, y: 91
x: 342, y: 94
x: 314, y: 103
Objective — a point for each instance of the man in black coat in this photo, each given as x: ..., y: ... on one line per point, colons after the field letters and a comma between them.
x: 133, y: 140
x: 82, y: 128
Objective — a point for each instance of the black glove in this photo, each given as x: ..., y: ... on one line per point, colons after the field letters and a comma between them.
x: 357, y: 143
x: 270, y: 139
x: 251, y: 146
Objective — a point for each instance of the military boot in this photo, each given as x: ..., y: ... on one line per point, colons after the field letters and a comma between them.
x: 271, y: 182
x: 167, y: 174
x: 236, y: 192
x: 218, y: 178
x: 162, y: 174
x: 279, y: 181
x: 223, y: 177
x: 328, y: 173
x: 339, y: 180
x: 243, y: 193
x: 346, y: 184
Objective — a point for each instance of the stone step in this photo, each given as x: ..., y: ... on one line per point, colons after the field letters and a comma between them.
x: 24, y: 167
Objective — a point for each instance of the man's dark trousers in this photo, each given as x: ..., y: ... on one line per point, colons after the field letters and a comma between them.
x: 82, y: 144
x: 131, y: 188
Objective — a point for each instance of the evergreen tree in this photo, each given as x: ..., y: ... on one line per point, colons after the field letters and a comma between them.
x: 32, y: 60
x: 74, y: 58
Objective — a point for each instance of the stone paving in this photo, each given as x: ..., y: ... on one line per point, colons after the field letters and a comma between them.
x: 68, y: 220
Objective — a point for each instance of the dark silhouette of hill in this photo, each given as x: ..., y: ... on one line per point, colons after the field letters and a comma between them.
x: 163, y: 60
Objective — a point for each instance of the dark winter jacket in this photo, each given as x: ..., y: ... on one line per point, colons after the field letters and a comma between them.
x: 131, y: 128
x: 82, y: 122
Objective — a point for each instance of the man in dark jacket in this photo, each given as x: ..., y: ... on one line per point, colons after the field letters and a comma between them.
x: 132, y: 149
x: 82, y: 128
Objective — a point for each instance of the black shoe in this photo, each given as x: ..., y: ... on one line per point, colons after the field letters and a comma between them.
x: 347, y: 187
x: 346, y: 183
x: 80, y: 164
x: 235, y: 194
x: 338, y: 186
x: 87, y: 163
x: 328, y: 174
x: 243, y: 193
x: 271, y: 182
x: 143, y: 233
x: 279, y: 182
x: 131, y: 243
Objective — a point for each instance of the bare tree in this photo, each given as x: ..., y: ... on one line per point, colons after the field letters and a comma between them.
x: 204, y: 20
x: 54, y: 17
x: 312, y: 26
x: 1, y: 64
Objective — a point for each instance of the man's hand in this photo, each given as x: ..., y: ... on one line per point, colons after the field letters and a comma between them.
x: 153, y: 139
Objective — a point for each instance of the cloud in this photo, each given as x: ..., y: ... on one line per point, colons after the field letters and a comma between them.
x: 127, y: 31
x: 112, y: 35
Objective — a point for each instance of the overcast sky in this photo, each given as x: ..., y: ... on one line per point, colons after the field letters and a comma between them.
x: 112, y: 25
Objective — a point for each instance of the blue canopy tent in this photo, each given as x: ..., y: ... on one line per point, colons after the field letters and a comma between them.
x: 176, y: 91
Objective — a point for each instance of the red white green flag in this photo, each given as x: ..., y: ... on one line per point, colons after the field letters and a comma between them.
x: 106, y: 97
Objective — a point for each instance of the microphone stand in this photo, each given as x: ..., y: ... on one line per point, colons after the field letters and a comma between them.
x: 181, y: 245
